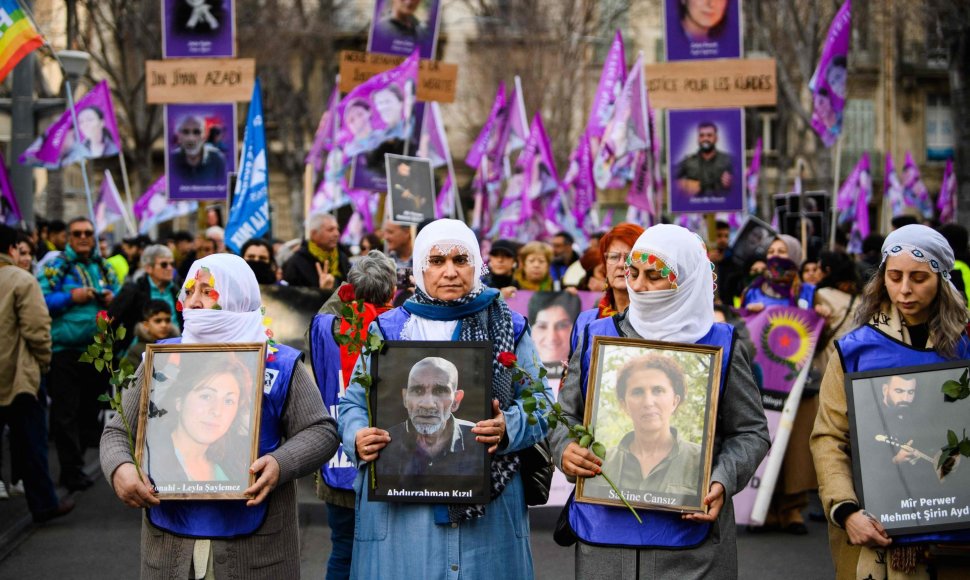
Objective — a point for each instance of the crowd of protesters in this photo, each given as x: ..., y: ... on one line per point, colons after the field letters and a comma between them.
x: 55, y: 279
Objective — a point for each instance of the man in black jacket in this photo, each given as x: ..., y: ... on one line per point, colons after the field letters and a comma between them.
x: 157, y: 283
x: 319, y: 263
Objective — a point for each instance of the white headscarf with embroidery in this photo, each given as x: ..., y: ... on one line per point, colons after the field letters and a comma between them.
x: 446, y: 235
x: 237, y: 315
x: 685, y: 313
x: 922, y: 244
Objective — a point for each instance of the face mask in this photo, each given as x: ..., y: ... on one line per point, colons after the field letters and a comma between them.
x: 263, y: 270
x: 706, y: 147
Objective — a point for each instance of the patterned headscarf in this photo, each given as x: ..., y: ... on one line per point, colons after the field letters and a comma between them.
x: 922, y: 244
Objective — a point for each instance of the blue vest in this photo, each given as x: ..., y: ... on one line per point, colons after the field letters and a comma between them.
x: 601, y: 525
x: 867, y: 349
x: 392, y: 322
x: 579, y: 328
x: 339, y: 472
x: 224, y: 519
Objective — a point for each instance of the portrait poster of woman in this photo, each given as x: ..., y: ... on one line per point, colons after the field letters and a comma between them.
x: 199, y: 416
x: 653, y: 406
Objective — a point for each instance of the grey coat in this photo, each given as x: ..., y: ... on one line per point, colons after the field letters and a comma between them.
x: 740, y: 443
x: 273, y: 550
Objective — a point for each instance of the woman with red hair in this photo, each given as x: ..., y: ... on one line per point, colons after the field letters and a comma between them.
x: 614, y: 247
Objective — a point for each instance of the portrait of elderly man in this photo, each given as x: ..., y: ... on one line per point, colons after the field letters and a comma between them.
x: 708, y: 171
x: 401, y: 21
x: 194, y: 160
x: 432, y: 441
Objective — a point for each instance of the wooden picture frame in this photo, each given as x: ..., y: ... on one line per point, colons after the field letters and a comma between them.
x: 444, y: 464
x: 201, y: 398
x: 898, y: 425
x: 638, y: 391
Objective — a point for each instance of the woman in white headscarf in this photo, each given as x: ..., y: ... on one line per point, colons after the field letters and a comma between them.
x: 407, y: 540
x: 671, y: 288
x: 221, y: 303
x: 910, y: 314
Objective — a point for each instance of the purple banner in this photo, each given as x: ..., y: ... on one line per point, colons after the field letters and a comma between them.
x: 378, y: 110
x: 109, y: 209
x: 947, y: 200
x: 9, y: 208
x: 402, y: 26
x: 784, y: 340
x: 609, y: 88
x: 893, y: 189
x: 828, y: 83
x: 579, y: 181
x: 628, y: 130
x: 701, y: 30
x: 99, y: 133
x: 434, y: 142
x: 152, y: 202
x: 705, y: 160
x: 200, y: 150
x: 914, y: 189
x: 198, y: 28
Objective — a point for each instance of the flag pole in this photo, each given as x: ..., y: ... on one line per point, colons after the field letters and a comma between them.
x: 833, y: 205
x: 128, y: 198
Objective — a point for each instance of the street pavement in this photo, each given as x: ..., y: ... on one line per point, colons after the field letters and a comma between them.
x: 100, y: 539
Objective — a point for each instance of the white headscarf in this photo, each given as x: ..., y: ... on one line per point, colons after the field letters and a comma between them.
x: 239, y: 316
x: 922, y: 244
x: 682, y: 314
x: 446, y: 235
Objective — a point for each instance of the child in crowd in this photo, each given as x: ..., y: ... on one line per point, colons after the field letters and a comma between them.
x: 156, y: 325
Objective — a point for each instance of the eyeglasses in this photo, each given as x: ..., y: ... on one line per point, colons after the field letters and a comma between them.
x: 615, y: 257
x: 82, y: 233
x: 166, y: 264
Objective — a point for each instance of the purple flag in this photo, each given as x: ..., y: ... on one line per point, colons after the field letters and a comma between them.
x: 362, y: 220
x: 947, y: 201
x: 893, y: 189
x: 579, y: 181
x: 641, y: 192
x: 489, y: 134
x: 379, y: 109
x: 852, y: 203
x: 324, y: 137
x: 9, y: 208
x: 434, y: 142
x: 515, y: 127
x: 627, y: 130
x: 784, y: 338
x: 110, y: 209
x: 445, y: 203
x: 914, y: 190
x: 751, y: 177
x: 828, y: 83
x: 99, y: 133
x: 608, y: 91
x: 154, y: 207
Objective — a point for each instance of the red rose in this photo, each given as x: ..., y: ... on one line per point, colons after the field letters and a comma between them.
x: 507, y: 359
x: 346, y: 292
x: 103, y: 315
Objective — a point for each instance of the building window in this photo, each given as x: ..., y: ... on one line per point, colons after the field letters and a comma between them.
x: 939, y: 128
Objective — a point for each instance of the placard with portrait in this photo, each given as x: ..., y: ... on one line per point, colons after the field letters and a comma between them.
x: 653, y: 407
x: 199, y: 417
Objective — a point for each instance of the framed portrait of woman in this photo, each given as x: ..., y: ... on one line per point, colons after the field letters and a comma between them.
x: 199, y: 416
x: 653, y: 407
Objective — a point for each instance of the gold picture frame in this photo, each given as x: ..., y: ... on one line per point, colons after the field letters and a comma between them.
x: 655, y: 404
x: 199, y: 417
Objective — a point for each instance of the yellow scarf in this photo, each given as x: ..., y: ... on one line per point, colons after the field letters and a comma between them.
x: 323, y: 256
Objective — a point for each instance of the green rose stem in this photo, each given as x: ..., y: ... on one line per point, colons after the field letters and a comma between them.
x: 353, y: 314
x: 534, y: 396
x: 100, y: 353
x: 954, y: 391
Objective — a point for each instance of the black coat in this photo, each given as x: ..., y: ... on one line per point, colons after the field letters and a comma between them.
x: 126, y: 308
x: 301, y: 269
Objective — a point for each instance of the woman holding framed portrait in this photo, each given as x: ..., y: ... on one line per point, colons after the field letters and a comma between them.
x: 437, y: 540
x: 909, y: 314
x: 221, y: 304
x: 671, y: 288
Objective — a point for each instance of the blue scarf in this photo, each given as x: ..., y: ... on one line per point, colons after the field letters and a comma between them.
x: 433, y: 309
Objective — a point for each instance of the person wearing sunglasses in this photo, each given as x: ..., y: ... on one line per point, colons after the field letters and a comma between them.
x: 76, y: 284
x: 154, y: 281
x: 196, y: 161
